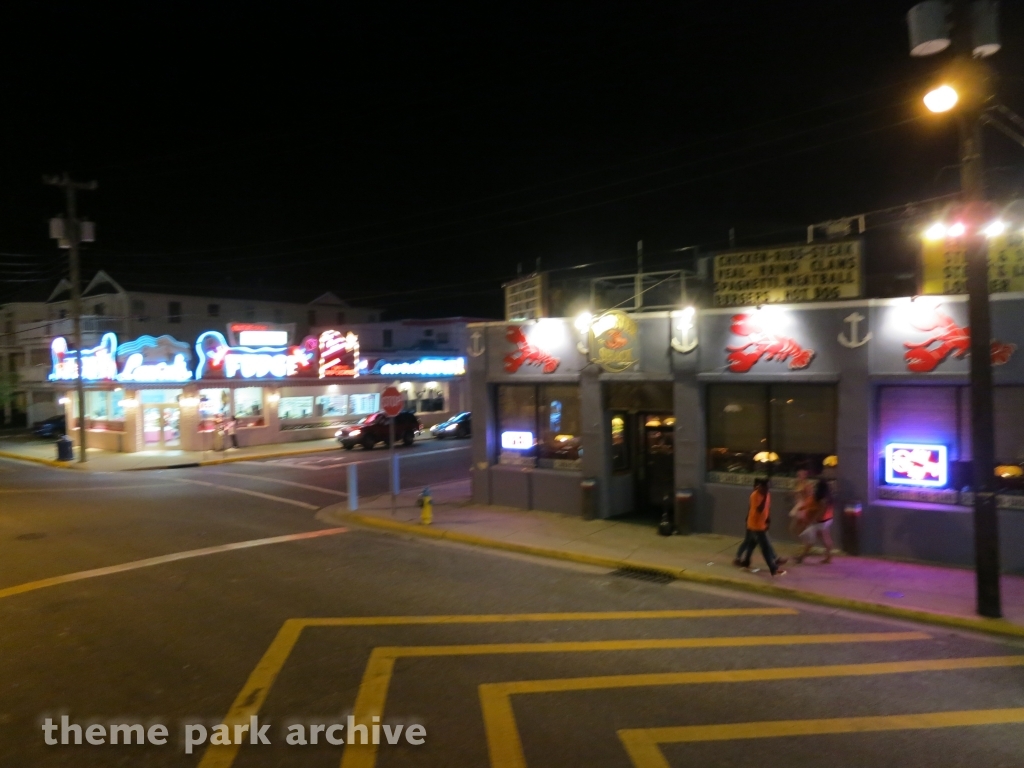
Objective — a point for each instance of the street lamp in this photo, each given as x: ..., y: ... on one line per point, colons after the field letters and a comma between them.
x: 941, y: 99
x: 968, y: 87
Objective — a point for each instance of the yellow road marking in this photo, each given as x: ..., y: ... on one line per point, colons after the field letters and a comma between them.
x: 161, y: 559
x: 254, y: 692
x: 506, y: 749
x: 373, y: 690
x: 257, y: 494
x: 642, y: 743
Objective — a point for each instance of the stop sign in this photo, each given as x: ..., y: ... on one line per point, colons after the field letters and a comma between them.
x: 392, y: 401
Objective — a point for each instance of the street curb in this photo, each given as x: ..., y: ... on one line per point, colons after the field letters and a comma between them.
x: 205, y: 463
x: 997, y: 627
x: 35, y: 460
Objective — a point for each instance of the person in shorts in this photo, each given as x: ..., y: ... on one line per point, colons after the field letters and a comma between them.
x: 819, y: 523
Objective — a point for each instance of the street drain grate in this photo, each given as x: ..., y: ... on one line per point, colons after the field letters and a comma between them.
x: 642, y: 574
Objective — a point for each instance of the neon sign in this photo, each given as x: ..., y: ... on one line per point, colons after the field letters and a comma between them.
x: 920, y: 465
x: 339, y: 354
x: 263, y: 338
x: 98, y: 363
x: 427, y: 366
x: 154, y: 359
x: 219, y: 360
x: 517, y: 441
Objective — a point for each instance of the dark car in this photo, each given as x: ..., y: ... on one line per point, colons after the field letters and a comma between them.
x: 457, y: 426
x: 51, y: 427
x: 374, y: 429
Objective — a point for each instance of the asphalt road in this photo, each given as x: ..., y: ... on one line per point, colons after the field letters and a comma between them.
x: 519, y: 662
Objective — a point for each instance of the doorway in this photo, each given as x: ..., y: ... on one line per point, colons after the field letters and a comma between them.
x: 160, y: 426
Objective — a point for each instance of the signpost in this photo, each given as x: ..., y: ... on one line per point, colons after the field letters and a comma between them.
x: 392, y: 401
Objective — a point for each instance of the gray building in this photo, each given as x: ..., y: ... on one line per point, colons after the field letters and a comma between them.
x: 869, y: 394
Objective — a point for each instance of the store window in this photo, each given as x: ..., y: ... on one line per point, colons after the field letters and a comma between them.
x: 213, y: 310
x: 558, y: 411
x: 388, y: 338
x: 173, y: 311
x: 332, y: 405
x: 941, y: 416
x: 214, y: 405
x: 249, y: 402
x: 169, y: 396
x: 295, y: 407
x: 139, y: 309
x: 771, y: 429
x: 97, y: 405
x: 517, y: 424
x: 364, y: 403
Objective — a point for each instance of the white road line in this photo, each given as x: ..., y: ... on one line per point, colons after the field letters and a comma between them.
x: 80, y: 489
x: 293, y: 502
x: 281, y: 482
x: 343, y: 461
x: 160, y: 560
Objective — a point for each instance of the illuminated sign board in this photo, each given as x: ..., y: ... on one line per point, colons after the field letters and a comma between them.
x: 427, y: 366
x: 263, y: 338
x: 517, y: 441
x: 924, y: 466
x: 98, y: 363
x: 217, y: 359
x: 260, y: 334
x: 149, y: 359
x: 339, y: 354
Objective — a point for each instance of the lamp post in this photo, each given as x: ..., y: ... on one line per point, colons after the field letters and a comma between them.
x: 968, y: 89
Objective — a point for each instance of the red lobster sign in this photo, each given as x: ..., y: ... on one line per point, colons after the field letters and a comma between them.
x: 762, y: 343
x: 949, y: 338
x: 526, y: 353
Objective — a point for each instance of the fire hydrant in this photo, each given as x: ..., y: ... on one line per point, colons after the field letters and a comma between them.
x: 426, y: 505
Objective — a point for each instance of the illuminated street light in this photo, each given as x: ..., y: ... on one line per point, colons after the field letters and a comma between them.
x: 995, y: 229
x: 941, y: 99
x: 936, y: 231
x: 583, y: 321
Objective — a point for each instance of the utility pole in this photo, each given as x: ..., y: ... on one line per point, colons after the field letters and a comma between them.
x: 974, y: 27
x: 70, y: 239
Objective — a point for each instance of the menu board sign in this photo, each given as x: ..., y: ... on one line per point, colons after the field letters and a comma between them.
x: 944, y: 262
x: 789, y: 274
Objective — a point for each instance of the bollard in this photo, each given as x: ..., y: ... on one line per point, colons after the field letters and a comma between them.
x: 683, y: 513
x: 426, y: 505
x: 353, y: 487
x: 851, y: 527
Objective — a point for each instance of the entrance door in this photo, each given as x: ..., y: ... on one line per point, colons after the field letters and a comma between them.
x: 657, y: 449
x: 160, y: 426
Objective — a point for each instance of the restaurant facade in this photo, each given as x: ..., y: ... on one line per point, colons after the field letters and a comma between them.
x: 160, y: 393
x: 620, y: 413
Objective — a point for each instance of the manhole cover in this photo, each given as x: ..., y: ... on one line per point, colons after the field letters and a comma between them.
x: 30, y: 536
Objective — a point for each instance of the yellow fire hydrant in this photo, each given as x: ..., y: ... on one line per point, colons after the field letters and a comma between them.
x: 426, y: 504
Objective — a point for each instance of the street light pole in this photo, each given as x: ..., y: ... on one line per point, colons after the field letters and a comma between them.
x: 73, y: 236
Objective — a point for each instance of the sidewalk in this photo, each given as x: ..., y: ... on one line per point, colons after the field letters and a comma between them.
x: 934, y: 594
x: 44, y: 452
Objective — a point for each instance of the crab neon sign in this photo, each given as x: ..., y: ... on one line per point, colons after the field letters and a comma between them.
x: 219, y: 360
x: 919, y: 465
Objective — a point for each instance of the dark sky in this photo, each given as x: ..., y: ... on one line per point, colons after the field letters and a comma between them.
x: 410, y: 155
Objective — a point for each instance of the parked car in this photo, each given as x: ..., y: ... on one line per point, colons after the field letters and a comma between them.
x: 51, y: 427
x: 457, y: 426
x: 374, y: 429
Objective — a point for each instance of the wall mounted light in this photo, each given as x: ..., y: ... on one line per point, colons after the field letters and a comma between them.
x: 684, y: 330
x: 273, y: 397
x: 64, y: 400
x: 128, y: 402
x: 583, y: 322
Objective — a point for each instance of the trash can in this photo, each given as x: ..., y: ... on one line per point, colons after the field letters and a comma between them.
x: 588, y: 496
x: 684, y: 512
x: 851, y: 527
x: 65, y: 449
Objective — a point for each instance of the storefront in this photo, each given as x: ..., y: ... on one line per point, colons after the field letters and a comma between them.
x: 159, y: 393
x: 871, y: 395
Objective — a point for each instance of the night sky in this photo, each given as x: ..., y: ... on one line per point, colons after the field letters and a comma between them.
x: 411, y: 155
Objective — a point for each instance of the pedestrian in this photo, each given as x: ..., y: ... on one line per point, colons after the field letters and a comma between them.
x: 819, y: 523
x: 803, y: 498
x: 758, y: 520
x: 230, y: 430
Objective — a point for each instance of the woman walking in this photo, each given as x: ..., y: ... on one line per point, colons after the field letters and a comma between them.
x: 819, y: 523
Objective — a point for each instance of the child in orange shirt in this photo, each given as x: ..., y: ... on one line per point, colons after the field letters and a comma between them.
x: 758, y: 516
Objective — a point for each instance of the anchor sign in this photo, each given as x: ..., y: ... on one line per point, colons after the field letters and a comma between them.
x: 476, y: 348
x: 853, y: 342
